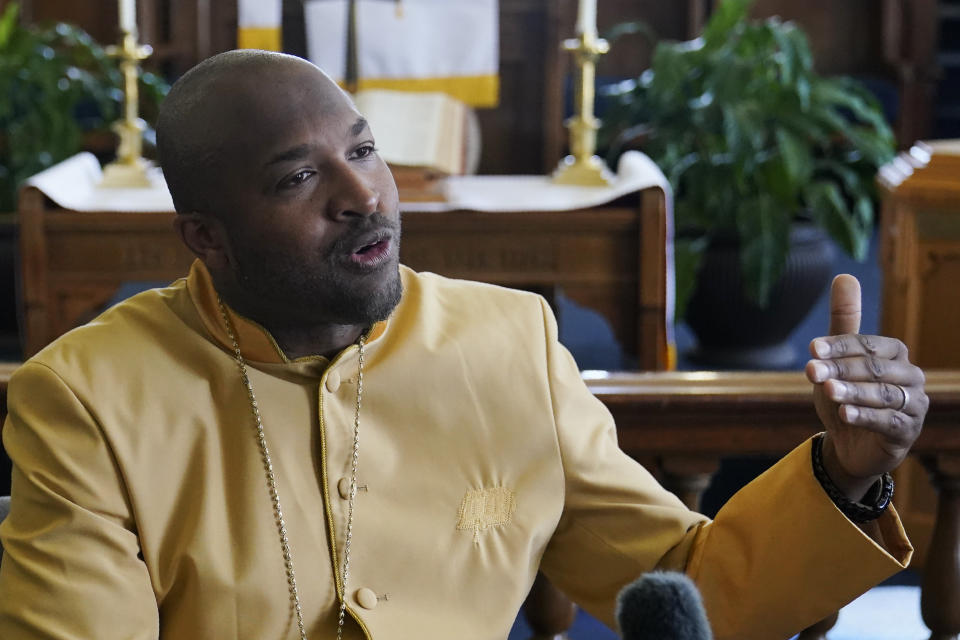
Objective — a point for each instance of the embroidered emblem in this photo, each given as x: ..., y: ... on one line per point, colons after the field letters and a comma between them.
x: 484, y: 508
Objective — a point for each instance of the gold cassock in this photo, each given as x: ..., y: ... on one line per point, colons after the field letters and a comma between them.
x: 140, y: 507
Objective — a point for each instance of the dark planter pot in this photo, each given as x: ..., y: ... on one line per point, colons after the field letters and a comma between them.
x: 733, y: 332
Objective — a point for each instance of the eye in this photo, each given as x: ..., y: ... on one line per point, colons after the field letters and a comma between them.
x: 297, y: 179
x: 364, y: 151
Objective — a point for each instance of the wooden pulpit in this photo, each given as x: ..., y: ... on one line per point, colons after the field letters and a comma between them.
x: 920, y: 259
x: 920, y: 252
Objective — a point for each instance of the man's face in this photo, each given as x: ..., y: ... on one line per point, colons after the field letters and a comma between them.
x: 310, y: 208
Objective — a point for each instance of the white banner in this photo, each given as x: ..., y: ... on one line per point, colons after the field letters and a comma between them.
x: 419, y: 45
x: 259, y: 13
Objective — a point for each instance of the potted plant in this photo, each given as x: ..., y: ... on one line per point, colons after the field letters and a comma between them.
x: 56, y: 85
x: 59, y: 93
x: 760, y: 150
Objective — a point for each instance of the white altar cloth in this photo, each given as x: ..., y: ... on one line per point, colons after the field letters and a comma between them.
x: 635, y: 172
x: 73, y: 184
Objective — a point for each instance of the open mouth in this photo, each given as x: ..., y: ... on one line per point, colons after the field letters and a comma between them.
x: 372, y: 253
x: 370, y: 248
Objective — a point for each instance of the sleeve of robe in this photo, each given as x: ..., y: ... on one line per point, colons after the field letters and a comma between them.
x: 778, y: 557
x: 70, y: 567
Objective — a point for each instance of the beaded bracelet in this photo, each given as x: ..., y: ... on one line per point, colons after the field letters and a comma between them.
x: 877, y: 499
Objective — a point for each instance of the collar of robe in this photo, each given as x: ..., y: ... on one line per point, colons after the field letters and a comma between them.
x: 256, y: 343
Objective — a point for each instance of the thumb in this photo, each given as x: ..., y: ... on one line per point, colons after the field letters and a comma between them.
x: 844, y: 305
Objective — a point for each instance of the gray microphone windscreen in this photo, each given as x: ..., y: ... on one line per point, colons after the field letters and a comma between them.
x: 663, y: 605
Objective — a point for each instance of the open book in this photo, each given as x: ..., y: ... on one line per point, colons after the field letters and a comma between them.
x: 420, y: 135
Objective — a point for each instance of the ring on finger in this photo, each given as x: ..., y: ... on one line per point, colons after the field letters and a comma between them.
x: 906, y: 397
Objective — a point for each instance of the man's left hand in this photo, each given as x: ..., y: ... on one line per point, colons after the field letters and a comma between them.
x: 868, y: 395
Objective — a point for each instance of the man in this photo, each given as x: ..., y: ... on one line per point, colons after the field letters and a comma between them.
x: 301, y: 418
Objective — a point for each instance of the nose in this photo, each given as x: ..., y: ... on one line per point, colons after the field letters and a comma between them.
x: 351, y: 193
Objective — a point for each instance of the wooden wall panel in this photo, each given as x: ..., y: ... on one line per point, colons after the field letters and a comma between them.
x: 183, y: 32
x: 98, y: 17
x: 514, y: 135
x: 846, y: 37
x: 630, y: 55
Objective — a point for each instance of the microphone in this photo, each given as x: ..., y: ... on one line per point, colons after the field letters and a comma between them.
x: 662, y: 605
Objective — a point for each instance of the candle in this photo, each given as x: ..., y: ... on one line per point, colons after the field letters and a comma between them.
x: 587, y: 17
x: 128, y: 16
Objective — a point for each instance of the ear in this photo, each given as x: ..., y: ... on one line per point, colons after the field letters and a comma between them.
x: 206, y: 237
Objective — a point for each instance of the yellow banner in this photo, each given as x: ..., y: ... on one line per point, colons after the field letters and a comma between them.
x: 477, y: 91
x: 267, y: 38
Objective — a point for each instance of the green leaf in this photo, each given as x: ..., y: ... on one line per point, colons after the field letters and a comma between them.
x: 863, y: 209
x: 825, y: 202
x: 803, y: 90
x: 726, y: 15
x: 840, y: 92
x: 687, y: 258
x: 786, y: 57
x: 8, y: 22
x: 672, y: 68
x: 852, y: 181
x: 764, y: 240
x: 801, y: 47
x: 732, y: 132
x: 777, y: 181
x: 795, y: 154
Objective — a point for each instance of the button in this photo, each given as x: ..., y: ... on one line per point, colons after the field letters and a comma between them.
x: 343, y: 486
x: 367, y: 598
x: 333, y: 381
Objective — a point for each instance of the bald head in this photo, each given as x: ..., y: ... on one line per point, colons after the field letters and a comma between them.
x: 228, y: 105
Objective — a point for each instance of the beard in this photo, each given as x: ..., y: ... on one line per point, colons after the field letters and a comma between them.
x: 301, y: 290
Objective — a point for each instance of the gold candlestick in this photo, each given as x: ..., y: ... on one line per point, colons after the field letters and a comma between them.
x: 582, y: 167
x: 130, y: 168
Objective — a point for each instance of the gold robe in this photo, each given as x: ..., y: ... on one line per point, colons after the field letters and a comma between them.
x: 140, y: 505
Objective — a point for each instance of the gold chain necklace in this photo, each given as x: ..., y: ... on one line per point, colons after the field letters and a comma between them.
x: 272, y: 481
